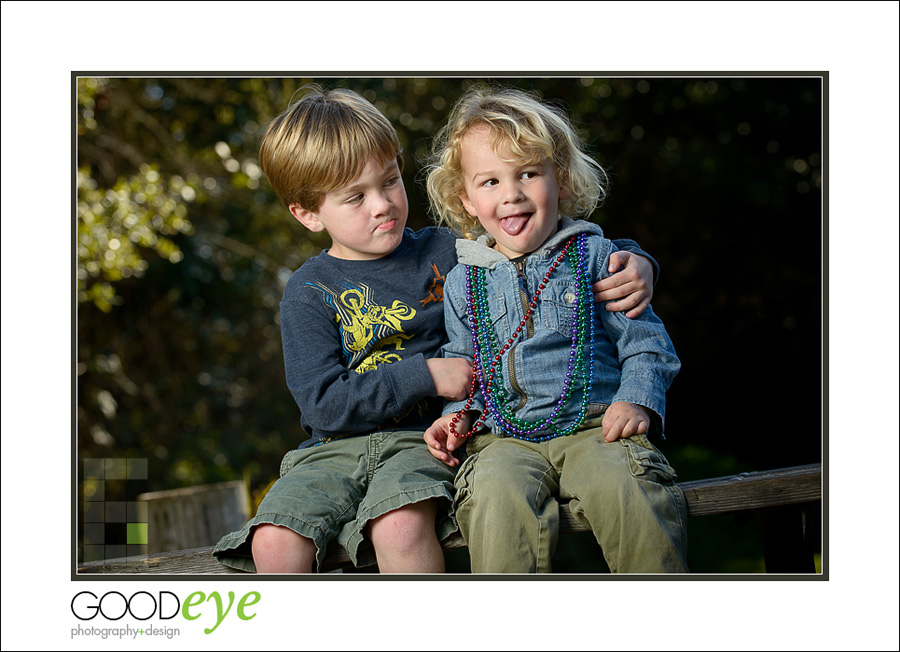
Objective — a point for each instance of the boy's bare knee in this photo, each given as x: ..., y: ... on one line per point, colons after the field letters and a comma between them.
x: 406, y: 528
x: 277, y: 549
x: 266, y: 535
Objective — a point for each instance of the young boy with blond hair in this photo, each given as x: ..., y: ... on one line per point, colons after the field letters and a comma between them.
x: 362, y: 328
x: 563, y: 395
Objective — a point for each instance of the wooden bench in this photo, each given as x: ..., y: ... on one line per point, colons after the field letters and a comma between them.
x: 779, y: 496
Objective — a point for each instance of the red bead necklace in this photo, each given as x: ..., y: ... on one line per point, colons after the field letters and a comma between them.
x: 496, y: 359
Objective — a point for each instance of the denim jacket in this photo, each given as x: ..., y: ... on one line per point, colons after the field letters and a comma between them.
x: 634, y: 359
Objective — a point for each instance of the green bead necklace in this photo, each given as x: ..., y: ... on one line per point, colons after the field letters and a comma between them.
x: 485, y: 347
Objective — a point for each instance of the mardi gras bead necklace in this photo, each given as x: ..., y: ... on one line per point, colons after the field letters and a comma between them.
x: 485, y: 348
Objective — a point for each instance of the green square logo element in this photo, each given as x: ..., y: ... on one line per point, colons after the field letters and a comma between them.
x: 137, y: 534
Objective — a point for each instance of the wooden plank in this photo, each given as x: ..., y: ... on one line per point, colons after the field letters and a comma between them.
x: 737, y: 493
x: 746, y: 491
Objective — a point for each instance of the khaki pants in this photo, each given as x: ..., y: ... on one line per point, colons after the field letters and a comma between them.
x: 624, y: 491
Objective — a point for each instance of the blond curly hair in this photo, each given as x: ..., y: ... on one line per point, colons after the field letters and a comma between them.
x: 532, y: 130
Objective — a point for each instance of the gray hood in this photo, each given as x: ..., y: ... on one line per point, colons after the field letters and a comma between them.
x: 479, y: 253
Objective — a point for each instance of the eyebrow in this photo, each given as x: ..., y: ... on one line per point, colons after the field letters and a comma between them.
x: 493, y: 173
x: 485, y: 173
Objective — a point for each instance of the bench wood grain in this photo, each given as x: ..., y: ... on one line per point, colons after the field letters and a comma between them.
x: 724, y: 495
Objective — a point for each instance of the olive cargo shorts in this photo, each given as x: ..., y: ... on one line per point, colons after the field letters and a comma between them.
x: 624, y: 491
x: 332, y: 491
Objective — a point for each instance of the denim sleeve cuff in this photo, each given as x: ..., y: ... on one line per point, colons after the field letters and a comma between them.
x: 645, y: 390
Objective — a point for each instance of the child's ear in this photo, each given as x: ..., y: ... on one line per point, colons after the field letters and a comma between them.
x: 564, y: 192
x: 306, y: 217
x: 469, y: 206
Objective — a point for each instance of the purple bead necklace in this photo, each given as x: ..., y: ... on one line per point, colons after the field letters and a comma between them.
x: 485, y: 347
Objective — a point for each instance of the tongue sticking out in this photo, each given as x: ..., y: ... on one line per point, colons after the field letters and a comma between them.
x: 513, y: 225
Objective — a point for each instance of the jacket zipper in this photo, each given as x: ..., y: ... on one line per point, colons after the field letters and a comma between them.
x: 529, y: 332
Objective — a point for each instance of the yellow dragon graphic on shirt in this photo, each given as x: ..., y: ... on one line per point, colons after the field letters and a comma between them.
x: 361, y: 321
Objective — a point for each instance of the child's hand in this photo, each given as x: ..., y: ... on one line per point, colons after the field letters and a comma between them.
x: 623, y: 420
x: 452, y: 377
x: 441, y: 442
x: 632, y: 284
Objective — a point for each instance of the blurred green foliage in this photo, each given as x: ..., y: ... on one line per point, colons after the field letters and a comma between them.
x: 183, y: 250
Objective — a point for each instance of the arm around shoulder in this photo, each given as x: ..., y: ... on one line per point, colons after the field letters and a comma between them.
x: 629, y: 286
